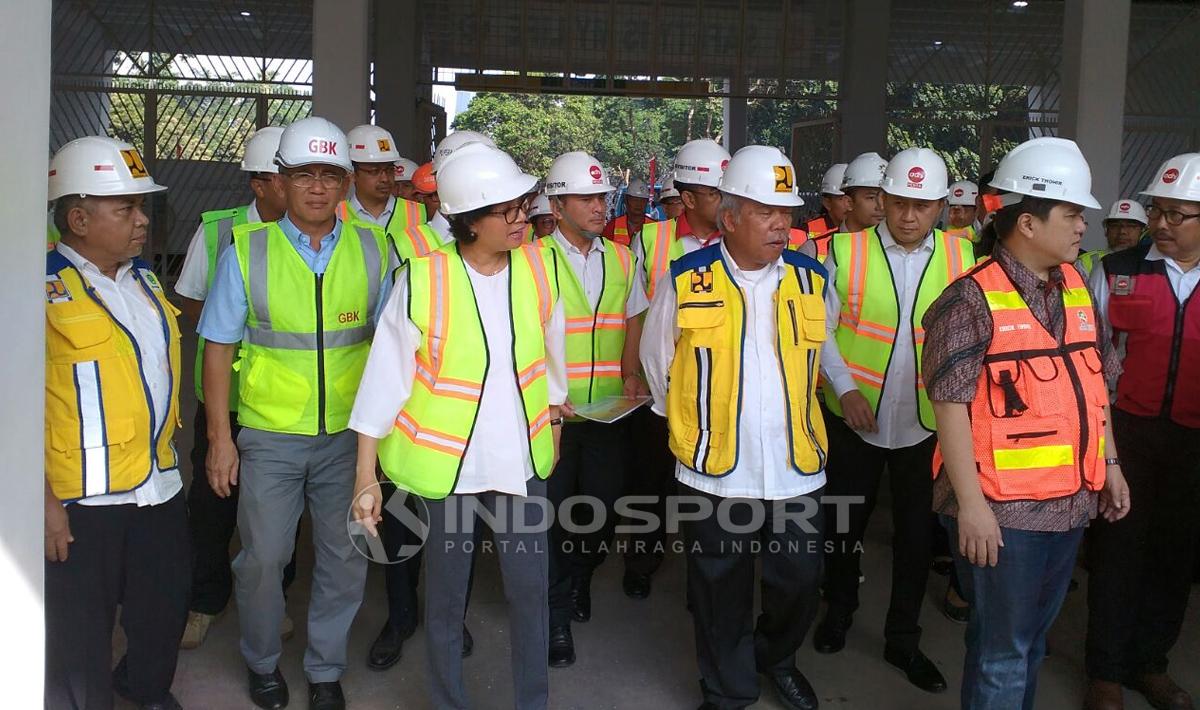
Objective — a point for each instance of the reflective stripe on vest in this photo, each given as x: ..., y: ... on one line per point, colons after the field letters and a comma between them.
x: 405, y: 214
x: 1037, y: 420
x: 101, y: 430
x: 307, y: 335
x: 417, y: 240
x: 968, y: 232
x: 660, y: 246
x: 425, y: 450
x: 870, y: 311
x: 595, y: 338
x: 704, y: 394
x: 218, y: 236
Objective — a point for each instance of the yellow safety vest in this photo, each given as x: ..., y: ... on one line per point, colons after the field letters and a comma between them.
x: 1089, y: 259
x: 968, y: 232
x: 218, y: 236
x: 659, y: 248
x: 704, y: 394
x: 595, y: 338
x: 425, y: 450
x: 101, y: 433
x: 417, y: 240
x: 870, y: 314
x: 405, y: 214
x: 307, y: 334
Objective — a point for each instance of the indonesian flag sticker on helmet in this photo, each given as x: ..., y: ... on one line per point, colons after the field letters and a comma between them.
x: 99, y: 166
x: 372, y: 144
x: 701, y: 162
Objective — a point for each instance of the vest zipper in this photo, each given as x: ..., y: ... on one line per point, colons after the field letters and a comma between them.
x: 320, y: 278
x: 1176, y: 348
x: 795, y: 327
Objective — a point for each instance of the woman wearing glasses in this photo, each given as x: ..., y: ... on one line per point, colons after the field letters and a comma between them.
x: 461, y: 401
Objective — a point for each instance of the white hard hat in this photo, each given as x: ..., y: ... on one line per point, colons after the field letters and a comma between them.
x: 480, y: 175
x: 963, y: 193
x: 1127, y: 209
x: 405, y: 169
x: 1050, y: 168
x: 763, y: 174
x: 831, y: 181
x: 701, y: 162
x: 259, y: 153
x: 540, y: 206
x: 638, y: 188
x: 313, y: 141
x: 577, y: 173
x: 919, y: 173
x: 453, y: 142
x: 99, y: 166
x: 668, y: 188
x: 1177, y: 179
x: 864, y: 171
x: 372, y: 144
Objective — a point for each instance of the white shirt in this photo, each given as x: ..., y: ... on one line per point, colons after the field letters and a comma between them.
x: 763, y: 471
x: 589, y: 269
x: 132, y: 308
x: 193, y: 279
x: 1182, y: 282
x: 898, y: 418
x: 384, y: 217
x: 441, y: 225
x: 497, y: 457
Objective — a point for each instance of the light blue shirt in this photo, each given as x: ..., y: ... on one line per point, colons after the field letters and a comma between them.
x: 225, y: 310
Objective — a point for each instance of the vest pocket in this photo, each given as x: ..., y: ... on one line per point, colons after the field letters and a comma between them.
x: 274, y: 393
x: 1032, y: 458
x: 812, y: 308
x: 83, y: 332
x: 1129, y: 312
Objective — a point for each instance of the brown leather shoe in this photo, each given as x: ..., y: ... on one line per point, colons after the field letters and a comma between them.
x: 1103, y: 695
x: 1162, y: 692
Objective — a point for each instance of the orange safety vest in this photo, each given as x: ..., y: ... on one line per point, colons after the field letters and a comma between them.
x: 619, y: 227
x: 796, y: 238
x: 1037, y: 420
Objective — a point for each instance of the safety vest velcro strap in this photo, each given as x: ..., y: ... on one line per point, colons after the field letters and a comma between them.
x: 429, y: 438
x: 1036, y: 457
x: 530, y: 374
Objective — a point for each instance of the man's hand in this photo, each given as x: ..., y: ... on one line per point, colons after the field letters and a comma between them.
x: 979, y: 535
x: 58, y: 532
x: 857, y: 412
x: 221, y: 466
x: 634, y: 386
x: 1114, y: 498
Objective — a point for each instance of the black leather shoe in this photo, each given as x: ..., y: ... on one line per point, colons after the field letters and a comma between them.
x: 120, y: 683
x: 581, y: 600
x: 918, y: 668
x: 268, y: 690
x: 637, y: 586
x: 794, y: 689
x: 562, y: 647
x: 386, y: 650
x: 326, y: 696
x: 830, y: 636
x: 468, y: 642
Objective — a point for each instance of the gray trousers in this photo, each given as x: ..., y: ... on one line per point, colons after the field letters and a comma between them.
x: 279, y: 474
x: 524, y: 565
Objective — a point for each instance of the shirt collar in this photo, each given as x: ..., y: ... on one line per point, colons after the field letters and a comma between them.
x: 888, y: 241
x: 684, y: 229
x: 597, y: 243
x: 296, y: 237
x: 1153, y: 254
x: 87, y: 267
x: 1022, y: 276
x: 777, y: 265
x: 384, y: 216
x: 252, y: 214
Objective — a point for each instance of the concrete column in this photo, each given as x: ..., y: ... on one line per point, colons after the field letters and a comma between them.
x: 862, y: 92
x: 1093, y: 95
x: 341, y: 69
x: 735, y: 116
x: 397, y: 42
x: 25, y: 117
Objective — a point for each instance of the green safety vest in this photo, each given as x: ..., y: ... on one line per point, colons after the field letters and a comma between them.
x: 424, y: 452
x: 307, y: 334
x: 1089, y: 259
x: 595, y: 338
x: 870, y: 311
x: 405, y: 214
x: 218, y: 235
x: 417, y: 240
x: 659, y: 248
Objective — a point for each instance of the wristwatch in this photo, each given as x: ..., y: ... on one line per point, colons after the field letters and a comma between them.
x: 1112, y: 462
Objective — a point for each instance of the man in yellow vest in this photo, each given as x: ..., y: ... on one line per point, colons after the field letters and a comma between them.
x: 961, y: 210
x: 374, y: 156
x: 878, y: 417
x: 116, y: 522
x: 1123, y: 228
x: 542, y: 222
x: 731, y: 351
x: 622, y: 229
x: 404, y: 172
x: 602, y: 299
x: 212, y: 519
x: 304, y: 292
x: 699, y: 166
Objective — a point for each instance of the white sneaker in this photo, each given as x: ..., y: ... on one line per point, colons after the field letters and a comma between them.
x: 196, y: 630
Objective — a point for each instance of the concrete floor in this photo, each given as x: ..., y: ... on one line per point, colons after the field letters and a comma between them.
x: 636, y: 655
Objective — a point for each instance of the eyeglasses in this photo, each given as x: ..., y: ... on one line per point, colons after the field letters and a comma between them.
x: 374, y: 171
x: 1173, y: 217
x: 513, y: 213
x: 304, y: 181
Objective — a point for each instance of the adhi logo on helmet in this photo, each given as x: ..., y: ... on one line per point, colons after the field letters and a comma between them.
x: 958, y: 192
x: 916, y: 174
x: 1124, y: 206
x: 1170, y: 176
x: 594, y: 171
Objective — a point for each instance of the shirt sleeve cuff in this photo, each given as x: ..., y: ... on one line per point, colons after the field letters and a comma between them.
x: 364, y: 428
x: 843, y: 384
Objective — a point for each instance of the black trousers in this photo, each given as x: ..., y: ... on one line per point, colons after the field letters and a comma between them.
x: 855, y: 468
x: 1140, y: 567
x: 122, y: 555
x: 651, y: 473
x: 212, y: 520
x: 402, y: 579
x: 592, y: 463
x: 731, y: 648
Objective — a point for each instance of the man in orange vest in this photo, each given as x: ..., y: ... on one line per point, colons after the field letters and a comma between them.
x: 622, y: 229
x: 1015, y: 362
x: 835, y: 204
